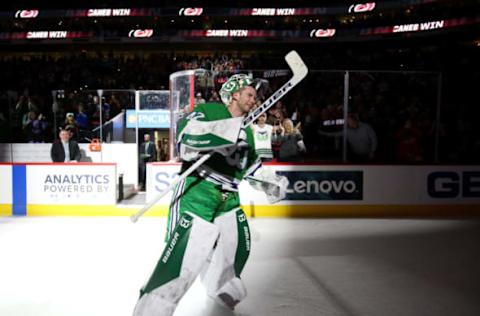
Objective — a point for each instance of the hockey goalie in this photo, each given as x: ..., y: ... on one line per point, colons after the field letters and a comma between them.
x: 208, y: 233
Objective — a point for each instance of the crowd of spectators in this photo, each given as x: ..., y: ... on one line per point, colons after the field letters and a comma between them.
x: 400, y: 107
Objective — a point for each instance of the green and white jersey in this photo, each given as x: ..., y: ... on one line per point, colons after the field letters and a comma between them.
x: 210, y: 126
x: 263, y: 140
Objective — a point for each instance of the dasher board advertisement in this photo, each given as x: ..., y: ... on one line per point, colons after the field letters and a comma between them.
x: 72, y: 184
x: 6, y: 184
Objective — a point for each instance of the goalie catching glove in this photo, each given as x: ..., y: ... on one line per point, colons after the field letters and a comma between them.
x: 266, y: 180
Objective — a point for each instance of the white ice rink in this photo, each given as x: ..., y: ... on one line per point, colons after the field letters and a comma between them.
x: 90, y: 266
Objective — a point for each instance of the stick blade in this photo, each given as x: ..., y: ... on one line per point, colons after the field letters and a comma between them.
x: 297, y: 66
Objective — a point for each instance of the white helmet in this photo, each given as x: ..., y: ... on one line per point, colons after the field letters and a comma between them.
x: 233, y: 84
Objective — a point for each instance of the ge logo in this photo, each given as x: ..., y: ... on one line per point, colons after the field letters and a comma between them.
x: 451, y: 184
x: 241, y: 218
x: 185, y: 223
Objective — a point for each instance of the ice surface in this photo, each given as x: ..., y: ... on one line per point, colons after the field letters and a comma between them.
x: 95, y: 266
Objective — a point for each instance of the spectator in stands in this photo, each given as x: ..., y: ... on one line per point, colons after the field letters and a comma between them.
x: 115, y: 105
x: 262, y: 134
x: 275, y: 140
x: 361, y: 138
x: 199, y: 99
x: 291, y: 146
x: 104, y: 109
x: 296, y: 116
x: 82, y: 123
x: 272, y: 118
x: 148, y: 153
x: 36, y: 128
x: 94, y: 110
x: 408, y: 148
x: 276, y: 114
x: 214, y: 97
x: 71, y: 125
x: 81, y: 117
x: 30, y: 78
x: 65, y: 149
x: 27, y: 119
x: 25, y: 104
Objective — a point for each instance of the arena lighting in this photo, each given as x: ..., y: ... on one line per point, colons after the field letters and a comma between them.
x: 26, y: 14
x: 322, y: 32
x: 190, y: 11
x: 141, y: 33
x: 361, y: 7
x: 108, y: 12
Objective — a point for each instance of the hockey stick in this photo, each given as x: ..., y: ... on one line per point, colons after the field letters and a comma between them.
x: 299, y: 70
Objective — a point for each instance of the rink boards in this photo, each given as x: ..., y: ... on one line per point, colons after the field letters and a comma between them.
x: 58, y: 188
x: 89, y: 189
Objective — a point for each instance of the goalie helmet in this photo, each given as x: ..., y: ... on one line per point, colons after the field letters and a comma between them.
x: 233, y: 84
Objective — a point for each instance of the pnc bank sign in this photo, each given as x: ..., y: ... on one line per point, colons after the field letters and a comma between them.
x: 148, y: 118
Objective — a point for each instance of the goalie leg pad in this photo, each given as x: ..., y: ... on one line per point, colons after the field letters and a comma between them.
x: 221, y: 277
x: 181, y: 261
x: 151, y: 304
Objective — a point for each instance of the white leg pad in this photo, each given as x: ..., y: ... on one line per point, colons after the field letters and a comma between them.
x: 219, y: 277
x: 163, y: 297
x: 151, y: 304
x: 231, y: 293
